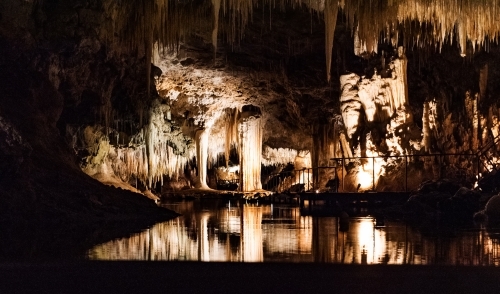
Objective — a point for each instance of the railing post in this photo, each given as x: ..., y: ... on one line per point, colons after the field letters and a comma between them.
x: 343, y: 179
x: 406, y: 173
x: 478, y: 163
x: 373, y: 174
x: 303, y: 177
x: 308, y: 179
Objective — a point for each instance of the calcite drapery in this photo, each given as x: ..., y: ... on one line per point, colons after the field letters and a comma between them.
x: 250, y: 143
x: 375, y: 99
x: 201, y: 137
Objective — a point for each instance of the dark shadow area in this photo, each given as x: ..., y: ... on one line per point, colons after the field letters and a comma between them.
x: 192, y: 277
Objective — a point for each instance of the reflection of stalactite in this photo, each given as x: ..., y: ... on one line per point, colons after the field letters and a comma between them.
x: 252, y: 234
x: 323, y: 245
x: 250, y: 142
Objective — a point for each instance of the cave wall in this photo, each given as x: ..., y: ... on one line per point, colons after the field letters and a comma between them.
x: 65, y: 69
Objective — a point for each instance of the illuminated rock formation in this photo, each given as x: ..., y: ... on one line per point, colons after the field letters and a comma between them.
x: 157, y: 150
x: 250, y: 148
x: 373, y: 100
x: 322, y: 154
x: 201, y: 138
x: 98, y: 86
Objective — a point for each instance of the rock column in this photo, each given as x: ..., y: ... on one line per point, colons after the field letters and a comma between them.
x: 201, y: 138
x: 250, y: 143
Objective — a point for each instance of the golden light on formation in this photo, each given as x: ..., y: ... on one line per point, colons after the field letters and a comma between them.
x: 376, y: 100
x: 219, y: 126
x: 250, y: 140
x: 365, y: 180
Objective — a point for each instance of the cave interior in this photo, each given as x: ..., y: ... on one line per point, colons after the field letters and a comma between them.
x: 163, y: 97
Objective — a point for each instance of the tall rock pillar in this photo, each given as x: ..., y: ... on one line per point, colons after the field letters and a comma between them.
x: 201, y: 137
x: 250, y: 145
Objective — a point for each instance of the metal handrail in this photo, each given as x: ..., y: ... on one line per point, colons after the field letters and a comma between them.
x: 310, y: 183
x: 484, y: 150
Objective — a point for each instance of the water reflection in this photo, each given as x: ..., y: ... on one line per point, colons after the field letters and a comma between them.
x: 230, y: 231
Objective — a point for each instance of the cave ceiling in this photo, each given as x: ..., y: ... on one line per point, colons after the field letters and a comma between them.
x: 275, y: 55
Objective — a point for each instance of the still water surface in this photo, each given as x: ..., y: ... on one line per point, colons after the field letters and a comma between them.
x: 216, y: 230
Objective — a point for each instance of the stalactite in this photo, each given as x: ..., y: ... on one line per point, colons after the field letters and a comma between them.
x: 148, y: 156
x: 274, y: 156
x: 139, y: 24
x: 483, y: 81
x: 483, y: 122
x: 322, y: 153
x: 331, y: 11
x: 231, y: 139
x: 426, y: 130
x: 462, y: 36
x: 216, y: 5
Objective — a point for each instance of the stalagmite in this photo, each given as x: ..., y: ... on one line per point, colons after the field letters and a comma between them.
x: 201, y: 138
x: 250, y: 142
